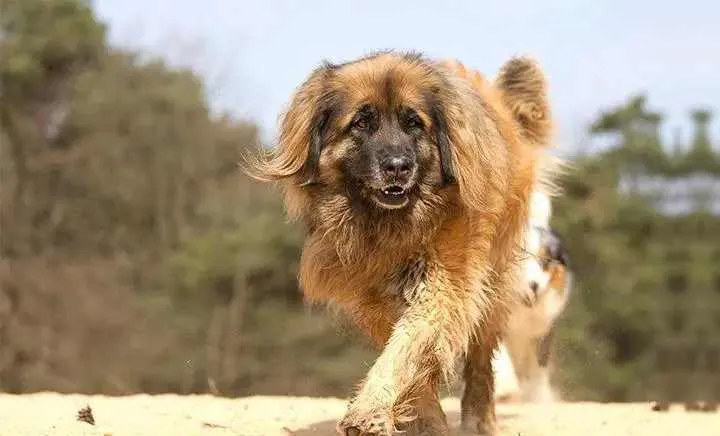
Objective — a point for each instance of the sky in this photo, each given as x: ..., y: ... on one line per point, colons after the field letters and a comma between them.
x: 253, y: 54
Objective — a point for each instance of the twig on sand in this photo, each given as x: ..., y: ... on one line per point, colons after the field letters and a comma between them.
x: 85, y: 415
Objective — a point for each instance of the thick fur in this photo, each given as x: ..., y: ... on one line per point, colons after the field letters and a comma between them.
x: 522, y: 367
x: 432, y: 281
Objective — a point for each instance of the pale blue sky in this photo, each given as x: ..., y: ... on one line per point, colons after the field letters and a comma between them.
x: 596, y: 53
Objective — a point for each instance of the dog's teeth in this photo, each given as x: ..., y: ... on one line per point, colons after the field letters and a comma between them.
x: 393, y: 191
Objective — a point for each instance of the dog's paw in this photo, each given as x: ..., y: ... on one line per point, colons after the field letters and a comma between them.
x: 367, y: 423
x: 475, y: 428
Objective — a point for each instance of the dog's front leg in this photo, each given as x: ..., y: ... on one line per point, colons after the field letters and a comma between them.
x: 430, y: 334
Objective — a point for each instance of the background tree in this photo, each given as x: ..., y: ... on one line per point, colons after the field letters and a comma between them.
x: 643, y: 256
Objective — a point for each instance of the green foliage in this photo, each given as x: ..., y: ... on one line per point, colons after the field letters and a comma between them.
x: 627, y: 257
x: 255, y: 245
x: 43, y: 41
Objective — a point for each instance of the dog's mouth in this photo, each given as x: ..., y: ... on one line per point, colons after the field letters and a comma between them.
x: 391, y: 197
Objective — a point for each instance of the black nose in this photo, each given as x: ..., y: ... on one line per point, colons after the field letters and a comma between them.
x: 534, y: 286
x: 397, y: 166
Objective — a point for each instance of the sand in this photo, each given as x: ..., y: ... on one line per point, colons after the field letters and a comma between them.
x: 50, y: 414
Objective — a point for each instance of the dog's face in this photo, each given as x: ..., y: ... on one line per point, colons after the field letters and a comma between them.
x: 547, y: 288
x: 547, y: 271
x: 385, y: 152
x: 379, y: 136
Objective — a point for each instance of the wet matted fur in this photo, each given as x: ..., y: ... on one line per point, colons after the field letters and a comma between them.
x: 412, y: 177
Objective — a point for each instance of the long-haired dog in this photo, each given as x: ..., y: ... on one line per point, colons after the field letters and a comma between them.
x: 522, y: 366
x: 413, y: 179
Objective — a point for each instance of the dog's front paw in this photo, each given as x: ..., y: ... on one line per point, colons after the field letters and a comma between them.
x: 372, y: 422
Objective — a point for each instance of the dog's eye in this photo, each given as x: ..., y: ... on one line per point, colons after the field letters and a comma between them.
x: 361, y: 123
x: 363, y: 119
x: 413, y: 121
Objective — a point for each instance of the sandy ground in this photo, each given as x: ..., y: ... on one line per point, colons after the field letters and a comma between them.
x: 50, y: 414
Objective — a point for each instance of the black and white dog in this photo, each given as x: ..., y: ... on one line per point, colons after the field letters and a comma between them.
x: 522, y: 363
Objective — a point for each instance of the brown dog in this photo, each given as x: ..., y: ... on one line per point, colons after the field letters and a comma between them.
x: 413, y: 179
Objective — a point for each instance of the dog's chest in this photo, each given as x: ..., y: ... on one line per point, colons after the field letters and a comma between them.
x: 406, y: 281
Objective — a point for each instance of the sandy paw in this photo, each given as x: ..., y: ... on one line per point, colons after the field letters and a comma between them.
x: 376, y: 423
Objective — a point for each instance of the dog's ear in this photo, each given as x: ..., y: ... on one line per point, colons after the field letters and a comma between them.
x: 563, y: 257
x: 557, y: 249
x: 557, y: 253
x: 301, y: 134
x: 310, y: 171
x: 524, y: 91
x: 442, y: 140
x: 479, y: 165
